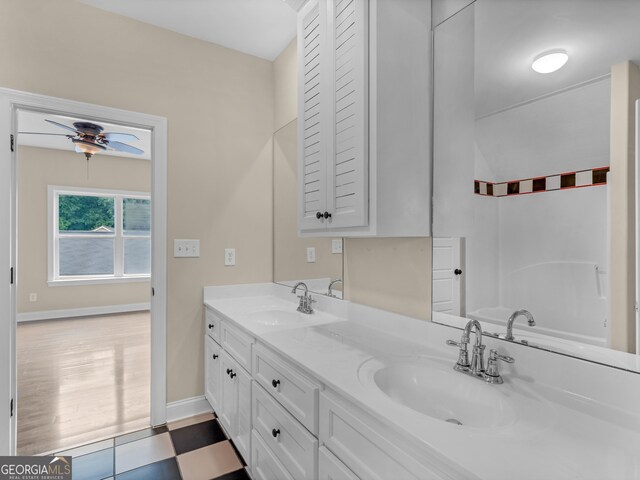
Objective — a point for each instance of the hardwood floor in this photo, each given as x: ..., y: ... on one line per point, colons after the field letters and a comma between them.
x: 81, y: 379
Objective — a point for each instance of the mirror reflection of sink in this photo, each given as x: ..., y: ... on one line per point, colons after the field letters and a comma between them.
x: 431, y: 387
x: 276, y: 317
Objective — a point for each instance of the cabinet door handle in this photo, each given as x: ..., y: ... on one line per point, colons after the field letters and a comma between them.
x: 229, y: 371
x: 275, y: 383
x: 215, y: 356
x: 210, y: 326
x: 275, y: 432
x: 232, y: 374
x: 326, y: 215
x: 457, y: 271
x: 319, y: 215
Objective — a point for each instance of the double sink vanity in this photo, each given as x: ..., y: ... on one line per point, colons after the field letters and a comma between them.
x: 350, y: 391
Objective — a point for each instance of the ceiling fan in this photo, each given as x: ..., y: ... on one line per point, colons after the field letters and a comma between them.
x: 90, y: 138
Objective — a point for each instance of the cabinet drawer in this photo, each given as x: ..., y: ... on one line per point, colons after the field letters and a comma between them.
x: 264, y: 464
x: 294, y: 390
x: 330, y: 468
x: 212, y: 324
x: 375, y: 452
x: 291, y: 443
x: 237, y: 344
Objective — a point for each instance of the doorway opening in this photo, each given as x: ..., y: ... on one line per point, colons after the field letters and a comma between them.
x: 85, y: 323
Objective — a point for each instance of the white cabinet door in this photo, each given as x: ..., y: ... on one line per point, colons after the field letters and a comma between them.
x: 312, y: 114
x: 330, y: 468
x: 347, y: 178
x: 229, y: 398
x: 242, y: 438
x: 212, y: 372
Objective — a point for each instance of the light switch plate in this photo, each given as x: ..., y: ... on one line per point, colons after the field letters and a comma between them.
x: 311, y: 255
x: 229, y: 257
x: 336, y: 245
x: 183, y: 248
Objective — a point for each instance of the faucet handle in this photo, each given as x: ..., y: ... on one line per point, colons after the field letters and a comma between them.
x: 494, y: 355
x: 453, y: 343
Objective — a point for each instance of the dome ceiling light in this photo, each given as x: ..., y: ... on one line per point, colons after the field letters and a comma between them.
x: 550, y: 61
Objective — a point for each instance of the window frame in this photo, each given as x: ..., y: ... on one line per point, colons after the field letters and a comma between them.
x: 54, y: 278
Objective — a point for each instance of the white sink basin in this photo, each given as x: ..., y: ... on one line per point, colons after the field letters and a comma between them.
x: 431, y: 387
x: 277, y: 317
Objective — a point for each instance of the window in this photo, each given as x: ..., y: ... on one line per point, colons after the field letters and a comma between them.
x: 99, y: 235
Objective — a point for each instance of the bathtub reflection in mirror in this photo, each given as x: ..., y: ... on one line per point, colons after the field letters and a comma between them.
x: 522, y: 188
x: 295, y: 259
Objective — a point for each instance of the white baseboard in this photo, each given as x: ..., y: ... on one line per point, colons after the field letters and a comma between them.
x: 188, y: 407
x: 81, y: 312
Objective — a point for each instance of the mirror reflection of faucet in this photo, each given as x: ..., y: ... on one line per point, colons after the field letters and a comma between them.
x: 525, y: 313
x: 330, y: 288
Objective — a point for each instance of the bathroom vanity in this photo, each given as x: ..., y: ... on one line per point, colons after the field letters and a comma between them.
x: 354, y: 392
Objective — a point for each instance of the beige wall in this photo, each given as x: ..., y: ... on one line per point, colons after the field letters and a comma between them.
x: 219, y: 106
x: 285, y: 84
x: 37, y: 169
x: 389, y: 273
x: 290, y: 251
x: 625, y: 89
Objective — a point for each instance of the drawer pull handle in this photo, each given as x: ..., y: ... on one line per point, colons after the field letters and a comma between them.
x: 211, y: 326
x: 215, y: 356
x: 275, y: 383
x: 232, y: 374
x: 275, y: 432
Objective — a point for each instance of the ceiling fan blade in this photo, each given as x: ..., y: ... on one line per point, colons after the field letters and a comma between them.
x: 113, y: 136
x: 41, y: 133
x: 61, y: 125
x: 123, y: 147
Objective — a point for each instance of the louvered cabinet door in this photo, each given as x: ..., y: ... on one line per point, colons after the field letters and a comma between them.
x: 347, y: 185
x: 312, y: 114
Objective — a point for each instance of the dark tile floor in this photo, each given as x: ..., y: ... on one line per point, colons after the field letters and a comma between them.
x: 192, y: 449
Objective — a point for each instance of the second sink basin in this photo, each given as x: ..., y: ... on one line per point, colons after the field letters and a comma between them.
x: 431, y: 387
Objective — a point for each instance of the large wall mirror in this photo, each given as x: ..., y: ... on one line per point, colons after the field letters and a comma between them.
x: 522, y: 189
x: 315, y: 261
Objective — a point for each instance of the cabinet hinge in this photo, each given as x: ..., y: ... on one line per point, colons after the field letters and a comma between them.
x: 11, y: 408
x: 11, y: 275
x: 11, y: 141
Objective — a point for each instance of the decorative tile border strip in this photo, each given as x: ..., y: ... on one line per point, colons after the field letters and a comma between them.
x: 561, y: 181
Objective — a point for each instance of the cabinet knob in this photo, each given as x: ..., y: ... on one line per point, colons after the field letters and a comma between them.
x: 326, y: 215
x: 229, y: 371
x: 232, y: 374
x: 275, y: 432
x: 215, y: 356
x: 275, y: 383
x: 457, y: 271
x: 210, y: 326
x: 319, y: 215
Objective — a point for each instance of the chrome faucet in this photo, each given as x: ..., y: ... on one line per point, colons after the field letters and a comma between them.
x: 306, y: 302
x: 530, y: 321
x: 331, y: 284
x: 476, y: 366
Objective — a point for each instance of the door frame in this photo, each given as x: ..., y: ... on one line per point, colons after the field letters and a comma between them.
x: 10, y: 102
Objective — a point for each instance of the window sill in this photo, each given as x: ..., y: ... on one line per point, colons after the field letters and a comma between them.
x: 97, y: 280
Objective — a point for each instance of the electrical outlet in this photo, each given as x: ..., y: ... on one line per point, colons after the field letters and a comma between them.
x: 336, y: 245
x: 33, y: 297
x: 186, y: 248
x: 229, y: 257
x: 311, y: 255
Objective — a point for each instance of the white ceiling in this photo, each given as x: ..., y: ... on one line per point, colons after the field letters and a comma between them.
x: 35, y: 122
x: 258, y: 27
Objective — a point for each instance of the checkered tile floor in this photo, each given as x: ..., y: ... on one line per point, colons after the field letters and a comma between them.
x: 192, y: 449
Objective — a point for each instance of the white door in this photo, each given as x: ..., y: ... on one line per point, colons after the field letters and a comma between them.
x: 448, y: 276
x: 637, y: 226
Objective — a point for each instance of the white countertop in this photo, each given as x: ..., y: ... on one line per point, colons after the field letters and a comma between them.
x: 576, y: 419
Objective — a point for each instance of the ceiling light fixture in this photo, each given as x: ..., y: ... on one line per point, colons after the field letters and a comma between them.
x: 550, y: 61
